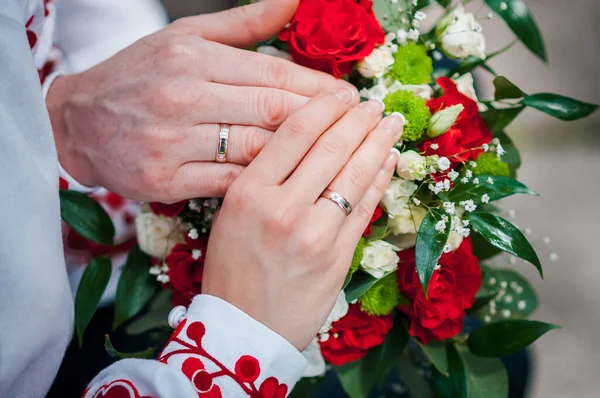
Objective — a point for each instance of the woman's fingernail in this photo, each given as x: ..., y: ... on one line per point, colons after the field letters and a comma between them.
x: 393, y: 124
x: 392, y: 160
x: 345, y: 94
x: 374, y: 106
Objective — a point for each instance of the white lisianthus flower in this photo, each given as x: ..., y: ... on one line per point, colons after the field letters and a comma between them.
x: 316, y: 362
x: 411, y: 166
x: 378, y: 91
x: 376, y: 63
x: 157, y: 235
x: 339, y: 310
x: 422, y: 90
x: 397, y: 195
x: 379, y: 257
x: 274, y: 52
x: 407, y: 222
x: 460, y: 35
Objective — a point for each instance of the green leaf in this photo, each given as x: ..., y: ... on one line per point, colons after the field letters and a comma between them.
x: 482, y: 249
x: 437, y: 355
x: 90, y: 290
x: 155, y: 317
x: 429, y: 246
x: 389, y: 18
x: 501, y: 187
x: 518, y: 18
x: 484, y: 295
x: 136, y: 287
x: 513, y: 296
x: 503, y: 338
x: 498, y: 119
x: 358, y: 377
x: 113, y: 353
x: 559, y: 106
x: 393, y: 346
x: 412, y: 379
x: 306, y: 387
x: 86, y: 217
x: 486, y: 377
x: 505, y: 236
x: 505, y: 89
x: 458, y: 373
x: 512, y: 156
x: 361, y: 282
x: 468, y: 64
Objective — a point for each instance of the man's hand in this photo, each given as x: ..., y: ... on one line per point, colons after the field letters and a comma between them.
x: 145, y: 122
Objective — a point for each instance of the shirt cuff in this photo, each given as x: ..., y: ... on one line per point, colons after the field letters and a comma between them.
x: 238, y: 343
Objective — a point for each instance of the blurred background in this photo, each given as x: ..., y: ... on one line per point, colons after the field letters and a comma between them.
x: 561, y: 162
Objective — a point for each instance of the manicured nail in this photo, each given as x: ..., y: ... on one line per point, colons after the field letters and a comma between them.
x: 393, y: 124
x: 374, y: 106
x: 392, y: 160
x: 345, y: 94
x: 401, y: 116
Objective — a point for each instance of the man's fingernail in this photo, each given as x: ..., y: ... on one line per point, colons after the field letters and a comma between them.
x: 345, y: 94
x: 392, y: 160
x: 393, y: 124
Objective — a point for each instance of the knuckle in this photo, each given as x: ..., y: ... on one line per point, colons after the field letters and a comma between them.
x: 314, y: 244
x: 278, y: 221
x: 333, y: 145
x: 254, y: 141
x: 272, y: 108
x: 297, y: 126
x: 237, y: 196
x: 358, y: 174
x: 226, y: 179
x: 174, y: 47
x: 275, y: 72
x: 363, y: 212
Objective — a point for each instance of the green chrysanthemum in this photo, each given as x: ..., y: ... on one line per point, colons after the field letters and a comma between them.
x: 489, y: 163
x: 412, y: 65
x: 358, y: 253
x: 382, y: 297
x: 413, y: 108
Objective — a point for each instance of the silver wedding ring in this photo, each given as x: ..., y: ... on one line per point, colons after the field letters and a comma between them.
x: 338, y: 200
x: 221, y: 156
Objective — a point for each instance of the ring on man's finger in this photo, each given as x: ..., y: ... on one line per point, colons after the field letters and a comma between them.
x: 221, y: 156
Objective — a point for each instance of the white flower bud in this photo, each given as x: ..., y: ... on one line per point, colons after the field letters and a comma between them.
x: 442, y: 120
x: 376, y: 63
x: 411, y: 166
x: 397, y: 195
x: 460, y: 35
x: 379, y: 257
x: 157, y: 235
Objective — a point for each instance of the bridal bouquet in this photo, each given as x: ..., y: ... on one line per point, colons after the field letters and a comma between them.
x: 420, y: 295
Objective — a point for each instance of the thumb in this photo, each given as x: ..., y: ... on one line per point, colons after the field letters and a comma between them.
x: 242, y: 26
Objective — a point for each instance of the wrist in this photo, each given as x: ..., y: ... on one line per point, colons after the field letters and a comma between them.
x: 69, y: 146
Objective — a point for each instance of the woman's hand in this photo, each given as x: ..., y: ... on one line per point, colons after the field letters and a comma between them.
x: 145, y: 122
x: 277, y: 250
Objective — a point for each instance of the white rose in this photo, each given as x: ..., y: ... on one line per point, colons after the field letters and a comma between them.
x: 339, y: 310
x: 376, y: 63
x: 460, y: 35
x: 407, y: 220
x: 397, y: 195
x: 316, y: 362
x: 274, y: 52
x: 411, y: 166
x: 157, y: 235
x: 422, y: 90
x: 379, y: 258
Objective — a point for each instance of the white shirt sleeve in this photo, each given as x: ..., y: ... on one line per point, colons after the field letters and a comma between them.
x: 36, y: 309
x: 216, y: 351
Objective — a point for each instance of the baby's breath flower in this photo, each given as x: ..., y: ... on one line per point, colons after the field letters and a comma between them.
x: 443, y: 163
x: 449, y: 207
x: 485, y: 198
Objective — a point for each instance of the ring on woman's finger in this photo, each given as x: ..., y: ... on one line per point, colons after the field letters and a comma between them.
x: 221, y: 156
x: 338, y: 199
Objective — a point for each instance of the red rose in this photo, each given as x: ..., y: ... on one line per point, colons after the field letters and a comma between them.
x: 452, y: 290
x: 351, y: 337
x: 376, y: 216
x: 468, y: 132
x: 332, y: 35
x: 171, y: 210
x: 185, y: 272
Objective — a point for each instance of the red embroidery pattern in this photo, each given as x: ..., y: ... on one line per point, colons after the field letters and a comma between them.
x: 245, y: 372
x: 117, y: 389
